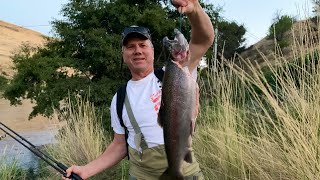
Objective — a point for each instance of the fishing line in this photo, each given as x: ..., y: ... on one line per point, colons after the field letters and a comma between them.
x: 180, y: 19
x: 163, y: 48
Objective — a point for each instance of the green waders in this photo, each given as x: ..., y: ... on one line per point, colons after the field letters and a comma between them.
x: 154, y: 162
x: 150, y: 163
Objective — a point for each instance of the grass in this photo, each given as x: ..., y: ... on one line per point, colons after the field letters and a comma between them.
x: 251, y: 129
x: 83, y: 139
x: 12, y: 170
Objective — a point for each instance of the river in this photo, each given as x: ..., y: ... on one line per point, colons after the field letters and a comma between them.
x: 39, y: 131
x: 12, y: 150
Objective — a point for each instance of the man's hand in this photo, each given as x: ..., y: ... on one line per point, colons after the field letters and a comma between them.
x: 185, y: 6
x: 79, y: 170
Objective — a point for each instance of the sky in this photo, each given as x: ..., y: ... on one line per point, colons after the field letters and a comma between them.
x: 255, y: 15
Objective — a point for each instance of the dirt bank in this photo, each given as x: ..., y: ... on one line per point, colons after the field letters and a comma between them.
x: 16, y: 118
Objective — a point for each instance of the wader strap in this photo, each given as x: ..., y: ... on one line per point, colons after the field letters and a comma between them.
x: 137, y: 130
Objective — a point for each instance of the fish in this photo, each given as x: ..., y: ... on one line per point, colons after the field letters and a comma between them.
x: 179, y: 107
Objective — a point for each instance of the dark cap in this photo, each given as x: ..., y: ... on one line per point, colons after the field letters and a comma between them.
x: 135, y: 31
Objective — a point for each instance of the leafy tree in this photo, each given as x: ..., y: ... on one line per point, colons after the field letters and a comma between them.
x: 316, y: 7
x: 85, y: 56
x: 230, y: 39
x: 279, y: 27
x: 3, y: 83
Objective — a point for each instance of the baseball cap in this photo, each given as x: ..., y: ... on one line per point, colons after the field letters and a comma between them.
x: 135, y: 31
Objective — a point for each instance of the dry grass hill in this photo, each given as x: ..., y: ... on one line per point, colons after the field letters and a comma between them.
x: 303, y: 35
x: 11, y: 38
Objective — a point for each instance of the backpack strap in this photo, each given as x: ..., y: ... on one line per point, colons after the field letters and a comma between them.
x: 121, y: 94
x: 159, y: 73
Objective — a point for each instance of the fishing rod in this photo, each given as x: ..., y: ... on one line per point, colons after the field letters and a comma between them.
x: 61, y: 168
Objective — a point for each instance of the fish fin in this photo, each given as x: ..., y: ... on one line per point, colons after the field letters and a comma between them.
x: 188, y: 157
x: 160, y: 114
x: 192, y: 125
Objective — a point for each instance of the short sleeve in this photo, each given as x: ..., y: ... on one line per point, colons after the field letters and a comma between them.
x: 115, y: 121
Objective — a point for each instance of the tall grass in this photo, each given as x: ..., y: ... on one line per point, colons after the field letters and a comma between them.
x: 250, y: 128
x: 11, y: 170
x: 83, y: 138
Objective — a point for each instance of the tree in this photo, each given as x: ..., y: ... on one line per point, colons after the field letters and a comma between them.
x: 281, y: 24
x: 88, y: 48
x: 231, y: 39
x: 316, y: 7
x: 3, y: 83
x: 84, y: 59
x: 85, y: 56
x: 230, y: 35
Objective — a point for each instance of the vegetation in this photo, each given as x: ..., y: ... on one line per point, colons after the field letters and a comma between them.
x: 3, y: 83
x: 316, y: 7
x: 85, y: 57
x: 83, y: 139
x: 280, y: 26
x: 13, y: 171
x: 272, y: 133
x: 231, y: 40
x: 9, y: 171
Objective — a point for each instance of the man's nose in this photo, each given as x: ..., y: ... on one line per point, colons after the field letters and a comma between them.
x: 137, y: 50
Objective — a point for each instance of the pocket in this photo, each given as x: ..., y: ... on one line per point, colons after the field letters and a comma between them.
x: 155, y: 159
x: 152, y: 160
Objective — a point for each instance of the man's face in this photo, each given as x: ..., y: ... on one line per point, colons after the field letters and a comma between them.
x: 138, y: 54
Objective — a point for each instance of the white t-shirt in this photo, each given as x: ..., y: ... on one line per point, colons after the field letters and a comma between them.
x: 145, y: 97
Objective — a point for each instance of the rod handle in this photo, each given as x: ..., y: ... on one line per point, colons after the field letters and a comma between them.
x: 73, y: 176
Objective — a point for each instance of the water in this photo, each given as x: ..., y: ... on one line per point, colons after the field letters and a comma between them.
x: 11, y: 150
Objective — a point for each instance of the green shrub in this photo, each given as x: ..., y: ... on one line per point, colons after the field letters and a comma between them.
x: 278, y: 29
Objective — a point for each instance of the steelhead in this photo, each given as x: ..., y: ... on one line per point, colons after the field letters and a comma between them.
x: 179, y: 107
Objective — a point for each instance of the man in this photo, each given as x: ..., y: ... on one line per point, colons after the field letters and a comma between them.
x: 144, y: 94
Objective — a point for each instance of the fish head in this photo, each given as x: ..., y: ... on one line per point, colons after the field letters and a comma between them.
x: 178, y: 47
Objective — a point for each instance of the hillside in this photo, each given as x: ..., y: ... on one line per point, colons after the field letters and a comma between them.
x: 11, y: 38
x: 304, y: 35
